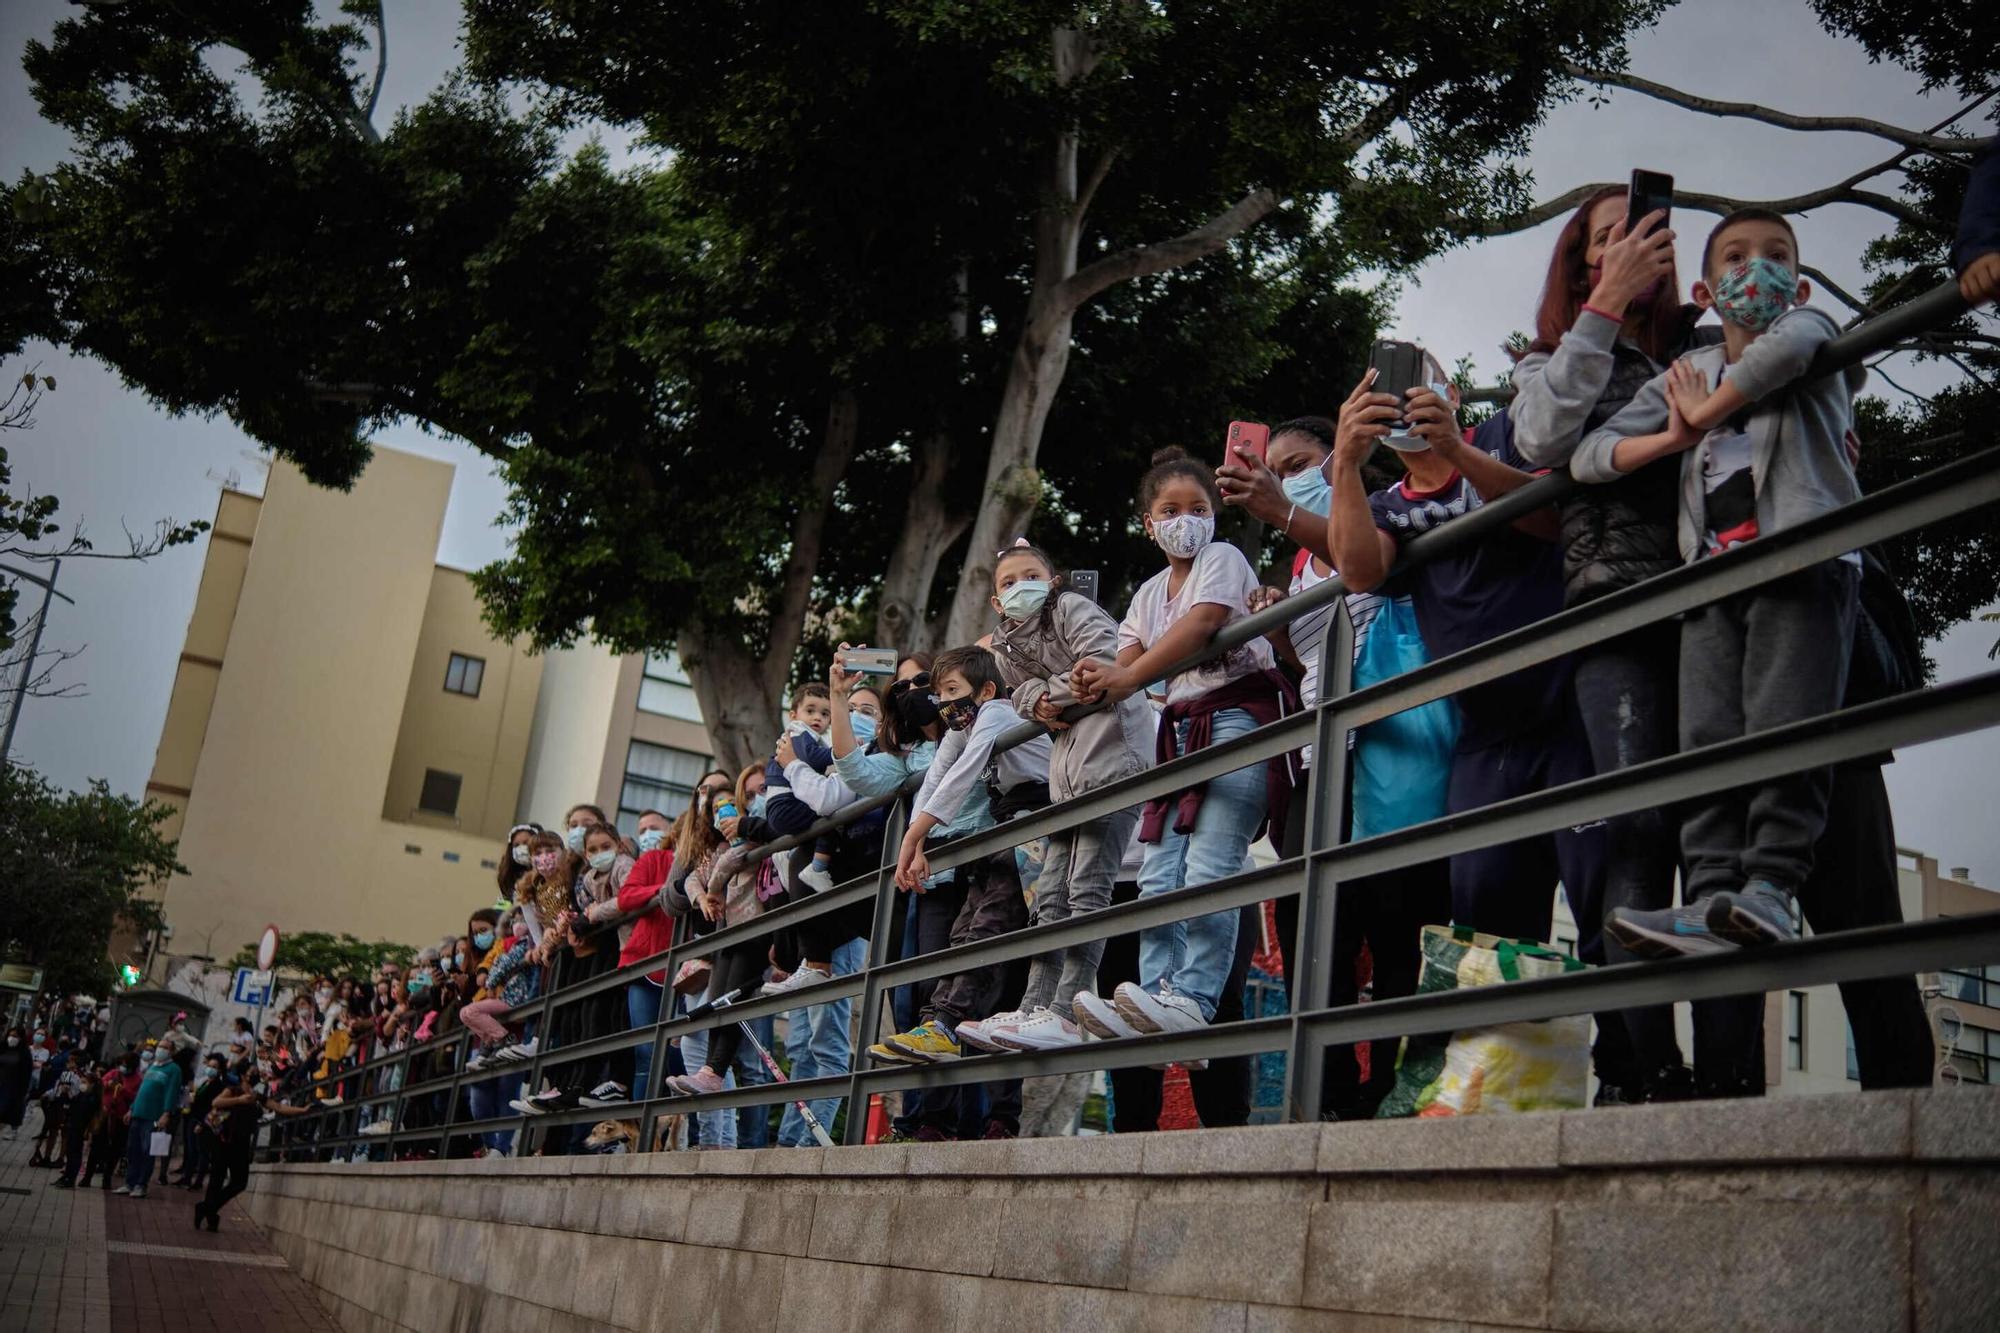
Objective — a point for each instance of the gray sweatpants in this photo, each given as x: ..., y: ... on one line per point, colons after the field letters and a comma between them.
x: 1758, y: 660
x: 1077, y: 873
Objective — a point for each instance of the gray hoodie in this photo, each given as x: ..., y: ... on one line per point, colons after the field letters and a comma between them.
x: 1035, y: 657
x: 1798, y: 429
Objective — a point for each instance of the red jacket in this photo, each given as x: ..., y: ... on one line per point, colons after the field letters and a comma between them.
x: 653, y: 932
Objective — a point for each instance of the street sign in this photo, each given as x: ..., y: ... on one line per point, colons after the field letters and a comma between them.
x: 267, y: 948
x: 252, y: 986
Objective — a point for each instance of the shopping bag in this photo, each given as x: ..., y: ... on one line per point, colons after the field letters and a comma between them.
x: 1402, y: 763
x: 1504, y: 1068
x: 162, y: 1143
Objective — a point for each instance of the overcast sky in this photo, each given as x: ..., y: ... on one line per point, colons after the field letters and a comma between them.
x: 112, y: 458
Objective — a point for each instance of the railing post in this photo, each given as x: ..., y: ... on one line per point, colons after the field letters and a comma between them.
x: 657, y: 1065
x: 866, y: 1016
x: 1326, y: 806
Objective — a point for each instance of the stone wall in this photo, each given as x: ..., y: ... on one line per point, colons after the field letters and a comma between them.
x: 1851, y: 1212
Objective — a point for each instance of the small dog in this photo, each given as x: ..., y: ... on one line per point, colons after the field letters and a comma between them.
x: 613, y: 1136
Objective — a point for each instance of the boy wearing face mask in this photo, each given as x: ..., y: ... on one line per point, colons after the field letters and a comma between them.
x: 972, y: 701
x: 1763, y: 448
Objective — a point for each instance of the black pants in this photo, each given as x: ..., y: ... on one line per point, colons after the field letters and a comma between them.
x: 76, y: 1137
x: 932, y: 915
x: 229, y: 1176
x: 1387, y: 913
x: 740, y: 968
x: 1221, y: 1091
x: 1628, y: 692
x: 107, y: 1147
x: 992, y: 905
x: 1853, y: 884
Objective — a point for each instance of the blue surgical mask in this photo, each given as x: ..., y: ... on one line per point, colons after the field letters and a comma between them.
x: 1309, y: 489
x: 575, y: 838
x: 1024, y: 598
x: 420, y: 982
x: 650, y: 839
x: 483, y: 940
x: 757, y: 806
x: 603, y: 860
x: 864, y: 727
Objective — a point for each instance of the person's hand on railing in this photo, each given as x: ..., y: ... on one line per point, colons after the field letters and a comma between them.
x: 711, y: 905
x: 599, y: 913
x: 1091, y: 680
x: 1049, y: 713
x: 1980, y: 282
x: 912, y: 866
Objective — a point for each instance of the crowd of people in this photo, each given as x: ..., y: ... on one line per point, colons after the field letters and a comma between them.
x: 1688, y: 437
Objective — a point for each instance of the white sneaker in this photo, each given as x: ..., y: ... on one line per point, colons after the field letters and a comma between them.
x: 478, y: 1060
x: 123, y: 1189
x: 799, y: 980
x: 980, y: 1032
x: 379, y: 1127
x: 1165, y: 1012
x: 520, y: 1050
x: 1099, y: 1018
x: 817, y: 878
x: 1043, y: 1030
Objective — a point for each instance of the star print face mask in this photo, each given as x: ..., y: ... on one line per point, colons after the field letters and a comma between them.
x: 1753, y: 294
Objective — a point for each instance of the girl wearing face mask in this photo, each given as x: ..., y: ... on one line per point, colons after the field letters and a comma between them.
x: 1045, y: 630
x: 578, y: 822
x: 1203, y: 833
x: 514, y: 859
x: 546, y: 893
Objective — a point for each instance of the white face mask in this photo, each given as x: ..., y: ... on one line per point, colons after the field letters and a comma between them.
x: 13, y: 1041
x: 520, y: 853
x: 1184, y: 535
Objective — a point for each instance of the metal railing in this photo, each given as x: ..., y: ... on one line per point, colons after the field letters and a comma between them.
x: 1316, y: 876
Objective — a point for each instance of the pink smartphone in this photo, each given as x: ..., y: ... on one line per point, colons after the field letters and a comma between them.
x: 1252, y: 435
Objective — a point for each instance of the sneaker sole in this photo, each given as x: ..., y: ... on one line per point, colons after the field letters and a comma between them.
x: 1147, y: 1024
x: 894, y: 1055
x: 980, y: 1042
x: 923, y: 1057
x: 601, y: 1103
x: 1094, y: 1025
x: 1062, y: 1045
x: 1658, y: 944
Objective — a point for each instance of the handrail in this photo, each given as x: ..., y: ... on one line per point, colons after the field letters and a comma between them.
x: 1956, y: 488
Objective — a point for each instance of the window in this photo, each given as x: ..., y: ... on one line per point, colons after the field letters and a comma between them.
x: 657, y: 777
x: 1795, y: 1029
x: 1853, y: 1060
x: 1973, y: 985
x: 1976, y: 1055
x: 440, y: 792
x: 463, y: 674
x: 664, y: 688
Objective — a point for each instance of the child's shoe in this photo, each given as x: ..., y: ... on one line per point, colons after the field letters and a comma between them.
x: 1762, y: 913
x: 1666, y: 932
x: 805, y: 976
x: 1165, y: 1012
x: 1099, y: 1018
x: 694, y: 1085
x: 979, y: 1033
x: 1043, y: 1030
x: 926, y: 1043
x: 817, y: 878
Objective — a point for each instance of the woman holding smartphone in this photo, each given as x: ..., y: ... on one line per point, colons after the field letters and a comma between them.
x: 1609, y: 321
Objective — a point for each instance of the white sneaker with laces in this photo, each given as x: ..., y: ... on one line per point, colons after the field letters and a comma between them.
x: 1043, y: 1030
x: 817, y: 878
x: 799, y: 980
x: 980, y: 1032
x: 1099, y: 1018
x: 1165, y: 1012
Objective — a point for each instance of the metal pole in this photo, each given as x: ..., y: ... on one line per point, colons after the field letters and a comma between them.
x: 866, y: 1017
x: 34, y: 651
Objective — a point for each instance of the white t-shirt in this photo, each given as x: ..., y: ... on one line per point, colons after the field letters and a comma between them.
x: 1220, y: 577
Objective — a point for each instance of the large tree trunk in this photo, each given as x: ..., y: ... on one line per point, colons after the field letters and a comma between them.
x: 738, y: 706
x: 928, y: 531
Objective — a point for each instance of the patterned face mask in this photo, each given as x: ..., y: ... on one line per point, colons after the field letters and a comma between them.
x: 1184, y: 535
x: 958, y: 714
x: 1753, y: 294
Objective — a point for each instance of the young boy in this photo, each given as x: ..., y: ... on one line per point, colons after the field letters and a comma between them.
x: 805, y: 727
x: 1763, y: 448
x: 974, y: 706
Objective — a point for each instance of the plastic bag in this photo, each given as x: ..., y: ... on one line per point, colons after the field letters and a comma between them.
x: 1402, y: 763
x: 1508, y: 1067
x: 161, y: 1144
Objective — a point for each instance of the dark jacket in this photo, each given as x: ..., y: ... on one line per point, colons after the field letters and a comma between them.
x: 1979, y: 217
x: 1618, y: 534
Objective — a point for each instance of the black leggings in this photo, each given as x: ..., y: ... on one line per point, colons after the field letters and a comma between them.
x: 229, y: 1176
x: 733, y: 969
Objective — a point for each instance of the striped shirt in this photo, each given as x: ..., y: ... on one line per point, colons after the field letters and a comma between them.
x: 1308, y: 633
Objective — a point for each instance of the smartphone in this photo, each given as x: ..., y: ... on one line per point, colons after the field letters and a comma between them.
x: 1083, y: 581
x: 1399, y: 368
x: 1652, y: 191
x: 1252, y: 435
x: 871, y: 661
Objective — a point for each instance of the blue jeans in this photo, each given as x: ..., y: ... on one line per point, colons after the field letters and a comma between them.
x: 816, y: 1040
x: 753, y: 1123
x: 1193, y: 957
x: 642, y: 1009
x: 487, y: 1100
x: 138, y: 1151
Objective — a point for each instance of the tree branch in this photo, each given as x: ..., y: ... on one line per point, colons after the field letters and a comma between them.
x: 381, y: 65
x: 1709, y: 106
x: 1089, y: 190
x: 1842, y: 193
x: 836, y: 451
x: 1144, y: 260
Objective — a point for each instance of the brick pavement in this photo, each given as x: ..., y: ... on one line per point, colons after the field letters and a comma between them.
x: 84, y: 1261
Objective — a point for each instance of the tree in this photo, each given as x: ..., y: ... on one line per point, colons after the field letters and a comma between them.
x: 72, y: 866
x: 316, y: 953
x: 854, y: 295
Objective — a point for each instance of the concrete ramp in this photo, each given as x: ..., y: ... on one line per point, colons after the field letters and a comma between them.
x: 1872, y: 1211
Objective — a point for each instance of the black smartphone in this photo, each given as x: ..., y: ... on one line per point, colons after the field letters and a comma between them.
x: 1652, y: 191
x: 1399, y: 368
x: 1083, y: 581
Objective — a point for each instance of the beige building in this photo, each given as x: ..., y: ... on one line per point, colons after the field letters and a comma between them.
x: 347, y: 743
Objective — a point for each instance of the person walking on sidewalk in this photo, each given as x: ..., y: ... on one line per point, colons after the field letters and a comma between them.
x: 159, y: 1094
x: 241, y: 1106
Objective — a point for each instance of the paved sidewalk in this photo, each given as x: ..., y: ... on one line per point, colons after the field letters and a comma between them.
x: 85, y: 1261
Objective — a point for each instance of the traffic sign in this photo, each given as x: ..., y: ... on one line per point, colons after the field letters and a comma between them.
x: 252, y: 986
x: 267, y: 948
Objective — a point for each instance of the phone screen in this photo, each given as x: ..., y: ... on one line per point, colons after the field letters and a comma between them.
x: 1652, y: 191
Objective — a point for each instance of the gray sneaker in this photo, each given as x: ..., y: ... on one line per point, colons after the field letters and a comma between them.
x: 1668, y: 932
x: 1762, y: 913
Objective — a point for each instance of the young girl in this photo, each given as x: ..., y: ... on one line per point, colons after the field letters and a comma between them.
x: 512, y: 981
x: 1203, y: 833
x: 722, y: 887
x: 1045, y: 630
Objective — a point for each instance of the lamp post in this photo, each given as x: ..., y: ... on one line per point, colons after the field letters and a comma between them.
x: 49, y: 594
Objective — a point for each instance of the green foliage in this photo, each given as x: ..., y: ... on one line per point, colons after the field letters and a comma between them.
x: 316, y: 953
x: 1949, y: 43
x: 73, y: 865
